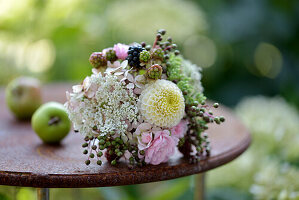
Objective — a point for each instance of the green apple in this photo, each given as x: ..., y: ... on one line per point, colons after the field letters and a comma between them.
x: 51, y: 122
x: 23, y: 96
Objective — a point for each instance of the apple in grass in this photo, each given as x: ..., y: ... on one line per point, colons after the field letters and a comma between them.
x: 23, y: 96
x: 51, y: 122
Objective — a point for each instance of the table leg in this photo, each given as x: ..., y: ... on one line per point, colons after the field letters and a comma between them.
x: 42, y: 193
x: 199, y: 189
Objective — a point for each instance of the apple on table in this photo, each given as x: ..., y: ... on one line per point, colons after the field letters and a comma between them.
x: 51, y: 122
x: 23, y: 96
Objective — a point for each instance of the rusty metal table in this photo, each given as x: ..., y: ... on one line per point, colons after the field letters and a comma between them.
x: 26, y: 161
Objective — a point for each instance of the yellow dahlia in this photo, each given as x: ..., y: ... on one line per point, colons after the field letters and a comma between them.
x: 162, y: 104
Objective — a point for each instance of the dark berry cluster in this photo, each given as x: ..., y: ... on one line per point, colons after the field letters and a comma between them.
x: 133, y: 55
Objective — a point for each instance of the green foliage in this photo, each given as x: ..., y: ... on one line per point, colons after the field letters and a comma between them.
x: 174, y: 69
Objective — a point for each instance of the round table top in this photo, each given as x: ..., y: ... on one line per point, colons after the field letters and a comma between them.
x: 26, y: 161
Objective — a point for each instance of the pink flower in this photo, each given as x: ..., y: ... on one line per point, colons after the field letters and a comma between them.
x: 162, y: 147
x: 121, y: 51
x: 180, y: 130
x: 144, y: 135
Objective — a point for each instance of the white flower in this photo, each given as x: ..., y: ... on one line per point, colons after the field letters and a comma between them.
x: 108, y: 106
x: 162, y: 104
x: 116, y: 67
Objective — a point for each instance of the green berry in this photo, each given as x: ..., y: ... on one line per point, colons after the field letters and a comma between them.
x: 217, y: 120
x: 101, y: 147
x: 144, y: 56
x: 117, y: 139
x: 91, y: 137
x: 94, y: 147
x: 102, y: 141
x: 113, y: 162
x: 99, y: 154
x: 177, y: 52
x: 112, y: 132
x: 158, y: 54
x: 119, y: 154
x: 216, y: 105
x: 91, y: 155
x: 87, y: 162
x: 222, y: 119
x: 99, y: 162
x: 84, y: 145
x: 162, y: 31
x: 85, y: 151
x: 148, y: 47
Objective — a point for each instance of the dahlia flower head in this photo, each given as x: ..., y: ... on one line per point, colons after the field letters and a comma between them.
x: 140, y: 106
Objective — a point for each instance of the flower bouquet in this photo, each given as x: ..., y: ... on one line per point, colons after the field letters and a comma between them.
x: 141, y: 104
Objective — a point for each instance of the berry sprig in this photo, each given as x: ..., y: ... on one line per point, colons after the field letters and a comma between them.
x: 112, y: 147
x: 198, y: 113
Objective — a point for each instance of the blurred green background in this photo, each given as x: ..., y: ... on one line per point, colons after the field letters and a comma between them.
x: 249, y: 52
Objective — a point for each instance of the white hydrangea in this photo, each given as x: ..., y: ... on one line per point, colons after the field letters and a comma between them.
x: 112, y: 105
x: 194, y: 72
x: 162, y: 104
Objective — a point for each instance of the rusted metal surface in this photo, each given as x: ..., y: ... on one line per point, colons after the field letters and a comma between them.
x: 26, y: 161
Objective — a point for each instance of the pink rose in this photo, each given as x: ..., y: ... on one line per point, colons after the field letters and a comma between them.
x: 121, y: 51
x: 180, y: 130
x: 162, y: 147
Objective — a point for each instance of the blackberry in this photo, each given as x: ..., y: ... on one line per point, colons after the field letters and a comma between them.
x: 133, y: 56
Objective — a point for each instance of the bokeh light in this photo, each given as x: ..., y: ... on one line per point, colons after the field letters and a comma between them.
x: 201, y: 50
x: 40, y: 56
x: 268, y: 60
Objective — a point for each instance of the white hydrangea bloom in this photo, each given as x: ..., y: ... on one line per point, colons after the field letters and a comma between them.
x: 162, y: 104
x: 108, y: 110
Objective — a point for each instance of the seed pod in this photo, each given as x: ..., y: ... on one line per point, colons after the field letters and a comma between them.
x: 97, y: 60
x: 155, y: 71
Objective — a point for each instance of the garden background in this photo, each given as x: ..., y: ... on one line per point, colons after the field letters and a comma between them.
x: 249, y: 52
